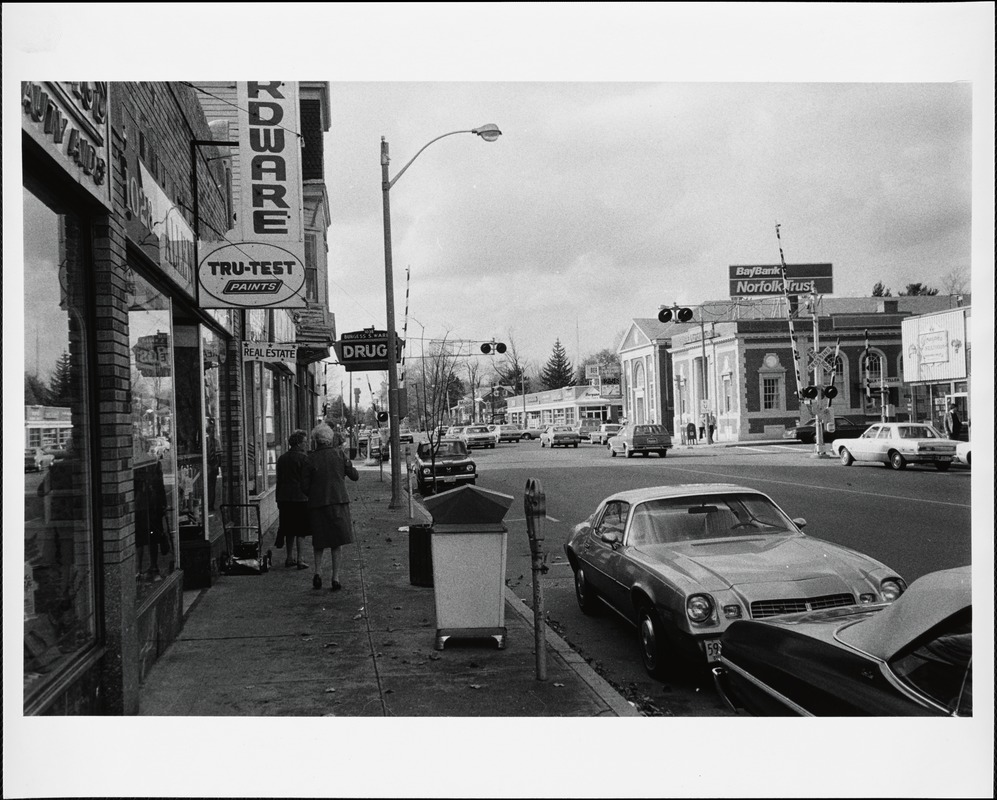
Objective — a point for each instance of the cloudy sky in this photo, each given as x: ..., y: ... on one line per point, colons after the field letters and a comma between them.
x: 602, y: 201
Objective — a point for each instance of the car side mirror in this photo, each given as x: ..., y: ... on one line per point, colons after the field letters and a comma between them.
x: 800, y: 523
x: 611, y: 537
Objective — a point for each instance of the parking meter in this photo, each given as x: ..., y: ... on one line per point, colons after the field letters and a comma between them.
x: 535, y: 506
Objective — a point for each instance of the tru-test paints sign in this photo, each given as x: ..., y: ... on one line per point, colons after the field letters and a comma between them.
x: 262, y: 265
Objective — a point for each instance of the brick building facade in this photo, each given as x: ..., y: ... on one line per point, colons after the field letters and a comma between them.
x: 122, y: 185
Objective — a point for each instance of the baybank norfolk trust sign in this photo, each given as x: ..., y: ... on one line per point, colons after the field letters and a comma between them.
x: 262, y: 265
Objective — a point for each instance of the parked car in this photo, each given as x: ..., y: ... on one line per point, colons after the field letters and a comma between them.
x: 496, y: 431
x: 511, y: 433
x: 37, y: 459
x: 912, y: 657
x: 454, y: 432
x: 962, y: 454
x: 406, y: 437
x: 586, y: 427
x: 532, y: 433
x: 452, y: 466
x: 477, y: 436
x: 898, y: 444
x: 844, y: 428
x: 379, y: 448
x: 602, y: 435
x: 683, y: 562
x: 559, y: 436
x: 633, y: 438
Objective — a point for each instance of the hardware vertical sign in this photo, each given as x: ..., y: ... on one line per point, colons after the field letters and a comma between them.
x: 265, y: 267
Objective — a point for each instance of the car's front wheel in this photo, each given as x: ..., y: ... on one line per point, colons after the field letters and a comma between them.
x: 652, y: 641
x: 612, y: 452
x: 627, y: 452
x: 897, y: 461
x: 584, y: 593
x: 846, y: 457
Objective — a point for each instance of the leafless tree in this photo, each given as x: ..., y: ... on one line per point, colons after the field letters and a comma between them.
x: 956, y: 281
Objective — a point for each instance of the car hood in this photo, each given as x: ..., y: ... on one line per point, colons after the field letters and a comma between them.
x: 765, y: 566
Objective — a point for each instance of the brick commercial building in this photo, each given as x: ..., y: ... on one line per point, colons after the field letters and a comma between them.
x: 163, y: 418
x: 738, y: 367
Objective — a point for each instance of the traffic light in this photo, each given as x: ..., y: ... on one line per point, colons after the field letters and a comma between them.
x: 810, y: 392
x: 680, y: 314
x: 487, y: 347
x: 382, y: 416
x: 830, y: 392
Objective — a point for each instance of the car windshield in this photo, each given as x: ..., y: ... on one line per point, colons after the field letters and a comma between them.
x: 938, y: 663
x: 679, y: 519
x: 917, y: 432
x: 476, y: 430
x: 562, y: 428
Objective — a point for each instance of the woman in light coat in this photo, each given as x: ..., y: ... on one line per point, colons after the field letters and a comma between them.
x: 328, y: 502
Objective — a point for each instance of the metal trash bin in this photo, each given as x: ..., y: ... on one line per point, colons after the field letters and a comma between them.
x: 420, y: 555
x: 469, y: 556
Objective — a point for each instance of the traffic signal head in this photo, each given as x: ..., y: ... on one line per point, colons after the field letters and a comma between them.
x: 830, y: 392
x: 810, y: 392
x: 500, y: 348
x: 382, y: 416
x: 680, y: 314
x: 486, y: 348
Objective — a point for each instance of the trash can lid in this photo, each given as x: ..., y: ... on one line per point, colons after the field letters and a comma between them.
x: 468, y: 505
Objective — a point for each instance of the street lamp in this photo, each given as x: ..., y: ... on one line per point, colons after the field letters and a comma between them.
x: 487, y: 132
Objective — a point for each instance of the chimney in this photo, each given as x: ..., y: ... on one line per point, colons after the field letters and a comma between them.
x: 888, y: 305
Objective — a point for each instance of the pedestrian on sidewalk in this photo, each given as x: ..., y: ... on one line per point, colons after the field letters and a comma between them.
x: 328, y: 502
x: 292, y: 499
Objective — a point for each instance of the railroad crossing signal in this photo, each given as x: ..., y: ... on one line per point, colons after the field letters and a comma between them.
x: 680, y: 314
x: 498, y: 347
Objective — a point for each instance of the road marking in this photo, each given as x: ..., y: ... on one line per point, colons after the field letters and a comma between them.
x: 728, y: 478
x: 523, y: 519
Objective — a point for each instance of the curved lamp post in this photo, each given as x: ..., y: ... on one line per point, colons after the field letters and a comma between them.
x: 487, y: 132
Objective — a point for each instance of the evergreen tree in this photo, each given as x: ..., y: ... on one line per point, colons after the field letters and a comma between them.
x: 918, y: 289
x: 35, y: 393
x: 558, y: 373
x: 60, y: 388
x: 880, y: 291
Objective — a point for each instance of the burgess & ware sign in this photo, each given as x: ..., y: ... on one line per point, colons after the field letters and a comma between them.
x: 262, y: 265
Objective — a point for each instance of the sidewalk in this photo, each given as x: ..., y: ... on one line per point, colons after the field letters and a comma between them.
x: 271, y: 645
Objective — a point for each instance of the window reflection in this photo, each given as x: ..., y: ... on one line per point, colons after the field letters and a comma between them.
x: 152, y: 372
x: 59, y: 574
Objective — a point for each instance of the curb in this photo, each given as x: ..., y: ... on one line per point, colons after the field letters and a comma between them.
x: 618, y: 704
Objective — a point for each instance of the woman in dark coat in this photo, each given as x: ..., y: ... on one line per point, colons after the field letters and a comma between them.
x: 292, y: 501
x: 328, y: 502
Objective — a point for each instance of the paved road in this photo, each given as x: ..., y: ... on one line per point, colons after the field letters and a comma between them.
x: 917, y: 521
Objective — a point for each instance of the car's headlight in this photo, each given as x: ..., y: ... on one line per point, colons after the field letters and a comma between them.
x: 470, y: 467
x: 427, y: 470
x: 891, y: 589
x: 699, y: 607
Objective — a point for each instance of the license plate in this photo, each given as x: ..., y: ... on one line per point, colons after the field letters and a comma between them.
x: 652, y: 440
x: 451, y: 479
x: 712, y: 648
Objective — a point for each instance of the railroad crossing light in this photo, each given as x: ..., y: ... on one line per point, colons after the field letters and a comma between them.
x: 810, y: 392
x: 487, y: 347
x: 500, y: 348
x: 681, y: 314
x: 382, y: 416
x: 830, y: 392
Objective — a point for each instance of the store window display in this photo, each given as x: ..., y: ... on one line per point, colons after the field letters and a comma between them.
x: 59, y: 567
x: 150, y: 326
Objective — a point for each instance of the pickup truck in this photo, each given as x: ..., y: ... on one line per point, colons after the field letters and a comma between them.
x: 602, y: 435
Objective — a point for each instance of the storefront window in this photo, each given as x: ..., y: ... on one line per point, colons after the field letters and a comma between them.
x: 59, y: 567
x: 217, y: 428
x: 190, y: 433
x: 154, y: 440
